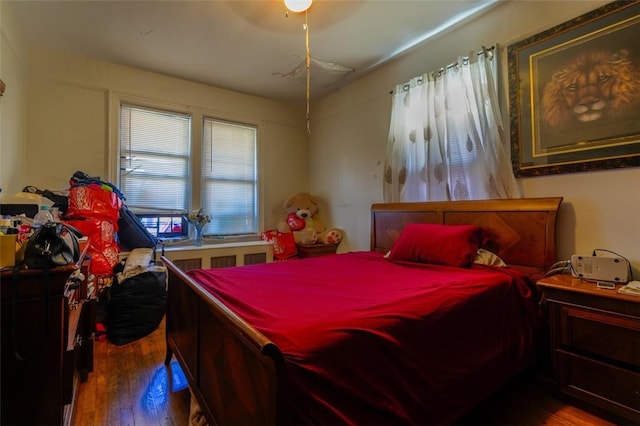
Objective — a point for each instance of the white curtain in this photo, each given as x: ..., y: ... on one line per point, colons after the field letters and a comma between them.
x: 446, y: 139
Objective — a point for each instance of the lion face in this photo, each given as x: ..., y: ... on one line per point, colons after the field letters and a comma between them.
x: 594, y: 85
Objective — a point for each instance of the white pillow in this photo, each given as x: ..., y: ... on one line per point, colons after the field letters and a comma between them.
x: 485, y: 257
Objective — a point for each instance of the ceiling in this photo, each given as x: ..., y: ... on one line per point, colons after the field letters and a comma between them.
x: 249, y: 46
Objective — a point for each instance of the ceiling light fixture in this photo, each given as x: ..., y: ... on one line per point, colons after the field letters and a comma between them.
x: 298, y: 5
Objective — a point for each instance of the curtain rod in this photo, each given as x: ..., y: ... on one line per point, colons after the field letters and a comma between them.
x: 487, y: 51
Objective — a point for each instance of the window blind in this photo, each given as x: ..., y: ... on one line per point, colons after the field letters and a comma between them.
x: 229, y: 178
x: 154, y: 159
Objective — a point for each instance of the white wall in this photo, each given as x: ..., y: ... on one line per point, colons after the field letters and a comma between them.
x: 342, y: 164
x: 350, y: 128
x: 68, y: 112
x: 13, y: 132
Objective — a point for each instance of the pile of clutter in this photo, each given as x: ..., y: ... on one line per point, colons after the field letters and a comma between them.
x: 95, y: 207
x: 131, y: 290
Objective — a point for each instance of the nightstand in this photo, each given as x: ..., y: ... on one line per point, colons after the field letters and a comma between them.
x: 595, y: 343
x: 314, y: 250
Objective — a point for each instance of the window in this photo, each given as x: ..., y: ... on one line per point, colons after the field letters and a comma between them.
x: 229, y: 179
x: 446, y: 136
x: 159, y: 168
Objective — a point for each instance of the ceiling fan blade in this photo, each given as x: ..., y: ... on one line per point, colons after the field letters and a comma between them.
x: 330, y: 67
x: 298, y: 71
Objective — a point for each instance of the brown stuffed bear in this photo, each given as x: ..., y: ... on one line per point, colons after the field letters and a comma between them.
x: 303, y: 220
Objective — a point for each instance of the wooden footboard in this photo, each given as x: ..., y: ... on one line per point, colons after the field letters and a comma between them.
x: 234, y: 371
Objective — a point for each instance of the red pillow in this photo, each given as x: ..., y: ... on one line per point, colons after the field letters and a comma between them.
x: 452, y: 245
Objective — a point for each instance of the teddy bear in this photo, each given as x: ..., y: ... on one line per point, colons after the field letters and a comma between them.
x: 303, y: 220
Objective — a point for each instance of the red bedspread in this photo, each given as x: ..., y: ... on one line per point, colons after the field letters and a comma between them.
x: 368, y: 341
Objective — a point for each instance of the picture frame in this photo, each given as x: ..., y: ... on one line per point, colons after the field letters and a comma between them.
x: 574, y: 94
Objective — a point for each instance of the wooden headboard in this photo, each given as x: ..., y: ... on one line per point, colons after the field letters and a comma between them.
x: 521, y: 231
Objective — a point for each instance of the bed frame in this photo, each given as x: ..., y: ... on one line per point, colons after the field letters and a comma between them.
x: 238, y: 376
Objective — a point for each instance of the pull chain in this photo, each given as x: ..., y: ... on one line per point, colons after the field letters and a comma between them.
x: 308, y: 63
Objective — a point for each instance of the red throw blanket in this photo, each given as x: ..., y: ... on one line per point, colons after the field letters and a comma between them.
x: 369, y: 341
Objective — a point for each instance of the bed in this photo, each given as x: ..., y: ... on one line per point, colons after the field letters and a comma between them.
x: 369, y: 337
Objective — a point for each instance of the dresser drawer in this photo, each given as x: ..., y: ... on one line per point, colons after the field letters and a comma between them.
x: 604, y: 334
x: 609, y: 387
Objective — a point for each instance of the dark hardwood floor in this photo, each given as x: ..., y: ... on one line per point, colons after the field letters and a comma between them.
x: 130, y: 387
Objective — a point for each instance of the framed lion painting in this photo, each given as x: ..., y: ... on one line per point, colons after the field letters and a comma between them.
x: 574, y: 94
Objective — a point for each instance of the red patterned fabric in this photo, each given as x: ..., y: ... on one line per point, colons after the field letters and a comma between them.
x: 284, y: 244
x: 93, y: 201
x: 103, y: 248
x: 94, y: 209
x: 370, y: 341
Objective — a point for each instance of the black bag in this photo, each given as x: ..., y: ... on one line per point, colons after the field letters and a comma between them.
x: 136, y: 305
x: 131, y: 232
x: 53, y: 244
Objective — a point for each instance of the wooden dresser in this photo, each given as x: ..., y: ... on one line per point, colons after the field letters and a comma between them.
x: 47, y: 344
x: 595, y: 343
